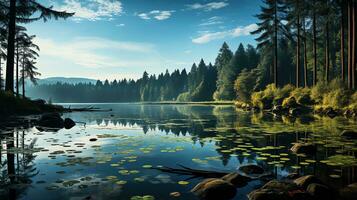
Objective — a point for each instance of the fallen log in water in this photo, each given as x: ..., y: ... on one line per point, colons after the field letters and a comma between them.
x: 86, y: 109
x: 198, y: 173
x: 194, y: 173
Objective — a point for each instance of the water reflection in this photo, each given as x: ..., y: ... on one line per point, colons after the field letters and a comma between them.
x: 17, y: 163
x: 243, y: 135
x: 208, y: 137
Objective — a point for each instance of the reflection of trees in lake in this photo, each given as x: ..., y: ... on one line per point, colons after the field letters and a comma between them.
x: 225, y: 126
x: 17, y: 166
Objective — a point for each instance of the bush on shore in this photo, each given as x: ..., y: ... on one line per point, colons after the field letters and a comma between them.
x: 333, y: 95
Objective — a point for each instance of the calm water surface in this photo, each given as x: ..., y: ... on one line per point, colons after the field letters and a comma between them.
x: 132, y: 138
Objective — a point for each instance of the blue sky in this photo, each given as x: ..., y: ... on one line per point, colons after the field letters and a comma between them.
x: 121, y: 38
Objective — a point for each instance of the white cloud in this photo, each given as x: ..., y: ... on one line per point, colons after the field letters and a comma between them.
x: 208, y: 6
x: 120, y: 25
x: 233, y: 33
x: 86, y: 52
x: 156, y: 14
x: 212, y: 21
x: 93, y: 9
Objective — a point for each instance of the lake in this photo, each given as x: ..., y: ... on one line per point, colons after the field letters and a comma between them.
x: 111, y: 155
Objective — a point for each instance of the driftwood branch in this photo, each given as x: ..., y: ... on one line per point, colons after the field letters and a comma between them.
x: 194, y: 173
x: 87, y: 109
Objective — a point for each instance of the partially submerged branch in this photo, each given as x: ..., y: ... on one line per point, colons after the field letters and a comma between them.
x: 86, y: 109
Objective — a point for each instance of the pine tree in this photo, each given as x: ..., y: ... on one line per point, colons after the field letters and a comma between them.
x: 29, y: 53
x: 23, y: 11
x: 268, y: 29
x: 224, y: 57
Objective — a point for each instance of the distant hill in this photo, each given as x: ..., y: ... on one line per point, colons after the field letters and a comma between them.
x: 54, y: 80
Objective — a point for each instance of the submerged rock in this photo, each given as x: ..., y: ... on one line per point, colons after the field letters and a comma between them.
x: 349, y: 134
x: 213, y: 189
x: 51, y: 120
x: 292, y: 176
x: 278, y: 190
x: 69, y: 123
x: 349, y: 192
x: 319, y: 191
x: 236, y: 179
x: 303, y: 148
x: 251, y: 169
x: 305, y: 181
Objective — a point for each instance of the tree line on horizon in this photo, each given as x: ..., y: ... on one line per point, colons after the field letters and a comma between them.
x: 201, y: 83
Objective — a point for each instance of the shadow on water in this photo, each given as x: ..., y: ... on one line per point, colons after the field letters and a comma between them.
x: 205, y: 137
x: 17, y: 163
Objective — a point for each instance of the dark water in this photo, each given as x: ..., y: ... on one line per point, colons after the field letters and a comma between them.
x: 133, y: 137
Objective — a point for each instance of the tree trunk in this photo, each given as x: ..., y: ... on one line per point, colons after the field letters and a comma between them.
x: 276, y: 44
x: 298, y: 47
x: 305, y: 57
x: 0, y: 75
x: 314, y: 78
x: 11, y: 48
x: 354, y: 29
x: 342, y: 41
x: 23, y: 76
x: 17, y: 69
x: 349, y: 47
x: 327, y: 53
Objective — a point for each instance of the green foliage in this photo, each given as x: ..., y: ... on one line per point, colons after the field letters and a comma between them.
x: 333, y: 95
x: 353, y: 102
x: 230, y: 70
x: 244, y: 86
x: 264, y: 99
x: 336, y: 99
x: 281, y: 93
x: 318, y: 91
x: 184, y: 97
x: 302, y: 95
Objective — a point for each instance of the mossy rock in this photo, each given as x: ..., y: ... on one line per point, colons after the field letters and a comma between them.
x: 279, y: 190
x: 305, y: 181
x: 236, y: 179
x: 320, y: 191
x: 214, y: 188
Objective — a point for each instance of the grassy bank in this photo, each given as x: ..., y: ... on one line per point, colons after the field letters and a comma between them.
x: 12, y: 105
x: 330, y: 99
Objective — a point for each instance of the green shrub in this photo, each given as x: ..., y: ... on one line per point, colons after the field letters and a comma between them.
x: 289, y: 102
x: 336, y: 99
x: 302, y: 96
x: 256, y: 99
x: 184, y: 97
x: 318, y: 91
x: 244, y: 84
x: 353, y: 102
x: 264, y: 99
x: 281, y: 93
